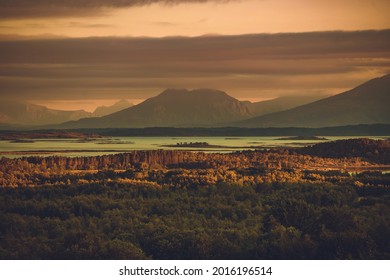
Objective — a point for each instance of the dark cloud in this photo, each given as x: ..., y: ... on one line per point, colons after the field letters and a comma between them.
x: 208, y: 49
x: 53, y: 8
x: 70, y: 68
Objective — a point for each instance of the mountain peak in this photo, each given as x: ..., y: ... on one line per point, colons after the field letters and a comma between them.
x: 177, y: 107
x: 182, y: 92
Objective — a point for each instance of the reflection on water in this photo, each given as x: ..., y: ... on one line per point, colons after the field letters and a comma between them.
x: 94, y: 147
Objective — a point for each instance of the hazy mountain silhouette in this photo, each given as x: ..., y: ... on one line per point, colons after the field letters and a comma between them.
x: 365, y: 104
x: 107, y: 110
x: 174, y: 107
x: 280, y: 104
x: 24, y: 113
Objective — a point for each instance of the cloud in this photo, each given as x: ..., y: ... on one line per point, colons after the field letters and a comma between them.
x: 55, y: 8
x: 207, y: 49
x: 84, y: 25
x: 257, y: 65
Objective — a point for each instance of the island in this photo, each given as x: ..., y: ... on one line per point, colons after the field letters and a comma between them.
x: 193, y: 145
x: 22, y: 141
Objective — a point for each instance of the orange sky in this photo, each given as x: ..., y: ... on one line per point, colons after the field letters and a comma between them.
x: 278, y: 74
x: 195, y: 19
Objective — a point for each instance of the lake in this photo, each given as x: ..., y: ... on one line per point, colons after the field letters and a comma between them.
x: 112, y: 145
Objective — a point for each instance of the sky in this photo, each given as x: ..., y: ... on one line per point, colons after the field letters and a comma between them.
x: 81, y: 54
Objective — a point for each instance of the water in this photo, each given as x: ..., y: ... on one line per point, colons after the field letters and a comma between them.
x: 80, y: 147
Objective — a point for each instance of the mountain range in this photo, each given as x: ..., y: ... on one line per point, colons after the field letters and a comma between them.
x: 189, y: 108
x: 25, y: 113
x: 365, y: 104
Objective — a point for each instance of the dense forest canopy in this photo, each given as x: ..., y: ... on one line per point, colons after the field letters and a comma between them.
x: 122, y: 221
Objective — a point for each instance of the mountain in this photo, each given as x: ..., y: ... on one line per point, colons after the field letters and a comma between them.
x: 174, y: 107
x: 4, y: 119
x: 24, y: 113
x: 280, y: 104
x: 365, y: 104
x: 107, y: 110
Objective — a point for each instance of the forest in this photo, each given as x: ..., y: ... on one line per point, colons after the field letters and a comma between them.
x: 263, y: 204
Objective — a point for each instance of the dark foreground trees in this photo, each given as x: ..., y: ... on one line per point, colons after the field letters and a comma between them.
x: 265, y: 221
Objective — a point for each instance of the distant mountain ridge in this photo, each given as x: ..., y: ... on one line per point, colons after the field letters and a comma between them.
x: 189, y: 108
x: 365, y: 104
x: 102, y: 111
x: 280, y: 103
x: 13, y: 112
x: 25, y: 113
